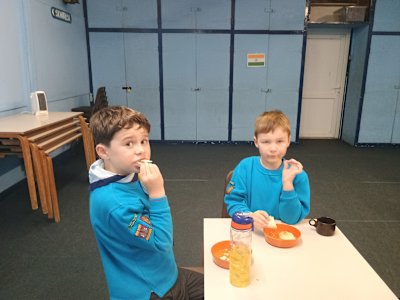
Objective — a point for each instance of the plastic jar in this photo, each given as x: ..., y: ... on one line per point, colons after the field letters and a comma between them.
x: 240, y: 253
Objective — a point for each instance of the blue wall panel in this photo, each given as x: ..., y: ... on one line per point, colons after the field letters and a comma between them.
x: 58, y: 52
x: 122, y: 13
x: 13, y: 59
x: 270, y: 14
x: 196, y: 86
x: 142, y: 74
x: 381, y: 90
x: 108, y: 65
x: 387, y: 15
x: 192, y: 14
x: 275, y: 86
x: 179, y: 86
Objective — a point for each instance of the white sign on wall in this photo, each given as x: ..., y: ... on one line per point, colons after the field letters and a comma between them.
x: 61, y: 15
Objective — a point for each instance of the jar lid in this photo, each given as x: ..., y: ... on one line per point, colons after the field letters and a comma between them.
x: 242, y: 221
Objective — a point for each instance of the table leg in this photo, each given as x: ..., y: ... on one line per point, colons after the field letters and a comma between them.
x: 26, y: 153
x: 45, y: 172
x: 40, y: 178
x: 53, y: 190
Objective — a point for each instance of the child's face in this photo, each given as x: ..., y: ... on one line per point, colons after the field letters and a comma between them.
x: 127, y: 148
x: 272, y: 147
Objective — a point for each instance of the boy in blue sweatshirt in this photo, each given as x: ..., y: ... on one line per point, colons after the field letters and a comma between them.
x: 269, y: 185
x: 130, y: 214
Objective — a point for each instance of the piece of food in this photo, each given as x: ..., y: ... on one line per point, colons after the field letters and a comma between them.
x: 146, y: 161
x: 271, y: 222
x: 286, y: 235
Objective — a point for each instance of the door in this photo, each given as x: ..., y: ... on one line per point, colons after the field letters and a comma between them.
x: 324, y: 82
x: 196, y: 86
x: 127, y: 65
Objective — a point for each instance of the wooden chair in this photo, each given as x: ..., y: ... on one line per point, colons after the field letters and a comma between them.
x: 88, y: 142
x: 195, y: 269
x: 224, y: 212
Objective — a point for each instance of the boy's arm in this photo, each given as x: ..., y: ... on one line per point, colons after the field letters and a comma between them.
x: 294, y: 205
x: 236, y: 193
x: 152, y: 231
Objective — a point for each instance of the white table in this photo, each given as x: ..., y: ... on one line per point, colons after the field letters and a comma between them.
x: 318, y: 267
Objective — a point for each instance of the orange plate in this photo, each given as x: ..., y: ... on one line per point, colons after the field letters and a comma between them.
x: 220, y: 253
x: 272, y: 236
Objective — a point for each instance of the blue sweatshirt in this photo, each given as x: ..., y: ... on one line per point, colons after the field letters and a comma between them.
x: 254, y: 187
x: 134, y: 235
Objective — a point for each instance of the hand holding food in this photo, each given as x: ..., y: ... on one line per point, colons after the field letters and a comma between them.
x: 260, y: 218
x: 151, y: 178
x: 271, y: 222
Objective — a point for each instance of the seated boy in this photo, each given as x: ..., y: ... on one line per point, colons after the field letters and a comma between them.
x: 269, y: 185
x: 130, y: 214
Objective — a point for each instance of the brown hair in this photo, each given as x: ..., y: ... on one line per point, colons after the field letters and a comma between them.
x: 270, y: 120
x: 107, y: 121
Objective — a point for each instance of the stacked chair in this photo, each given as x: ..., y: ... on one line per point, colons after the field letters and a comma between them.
x: 99, y: 103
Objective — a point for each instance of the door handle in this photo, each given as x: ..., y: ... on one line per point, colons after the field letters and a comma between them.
x: 128, y: 89
x: 195, y: 89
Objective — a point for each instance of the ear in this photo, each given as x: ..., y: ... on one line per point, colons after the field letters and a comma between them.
x: 255, y: 141
x: 101, y: 151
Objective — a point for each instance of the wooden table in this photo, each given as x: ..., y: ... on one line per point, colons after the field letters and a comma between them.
x: 318, y: 268
x: 24, y: 130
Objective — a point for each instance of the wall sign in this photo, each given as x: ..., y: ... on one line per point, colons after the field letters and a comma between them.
x: 256, y: 59
x: 61, y: 15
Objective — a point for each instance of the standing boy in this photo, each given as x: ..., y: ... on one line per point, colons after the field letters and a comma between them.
x: 130, y: 214
x: 269, y: 185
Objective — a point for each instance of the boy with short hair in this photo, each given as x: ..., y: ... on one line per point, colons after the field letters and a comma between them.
x: 130, y: 214
x: 269, y: 185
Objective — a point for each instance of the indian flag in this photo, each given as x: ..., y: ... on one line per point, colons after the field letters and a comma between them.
x: 256, y: 60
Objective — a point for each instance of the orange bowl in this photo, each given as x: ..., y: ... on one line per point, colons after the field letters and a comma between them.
x: 272, y: 236
x: 220, y: 252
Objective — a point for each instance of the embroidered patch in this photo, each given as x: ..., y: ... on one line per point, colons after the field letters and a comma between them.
x: 145, y: 219
x: 229, y: 188
x: 143, y: 232
x: 132, y: 222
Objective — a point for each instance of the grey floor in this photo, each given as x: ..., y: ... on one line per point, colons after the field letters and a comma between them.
x: 359, y: 187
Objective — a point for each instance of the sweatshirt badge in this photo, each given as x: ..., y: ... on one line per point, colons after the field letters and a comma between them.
x: 229, y: 188
x: 143, y: 232
x: 145, y: 219
x: 132, y: 222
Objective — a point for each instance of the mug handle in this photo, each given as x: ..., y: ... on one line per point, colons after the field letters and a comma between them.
x: 313, y: 222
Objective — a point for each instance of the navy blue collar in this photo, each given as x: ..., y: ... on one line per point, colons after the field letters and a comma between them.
x: 108, y: 180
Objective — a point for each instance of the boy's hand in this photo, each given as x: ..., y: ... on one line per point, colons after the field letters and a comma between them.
x: 151, y: 178
x: 291, y: 168
x: 261, y: 219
